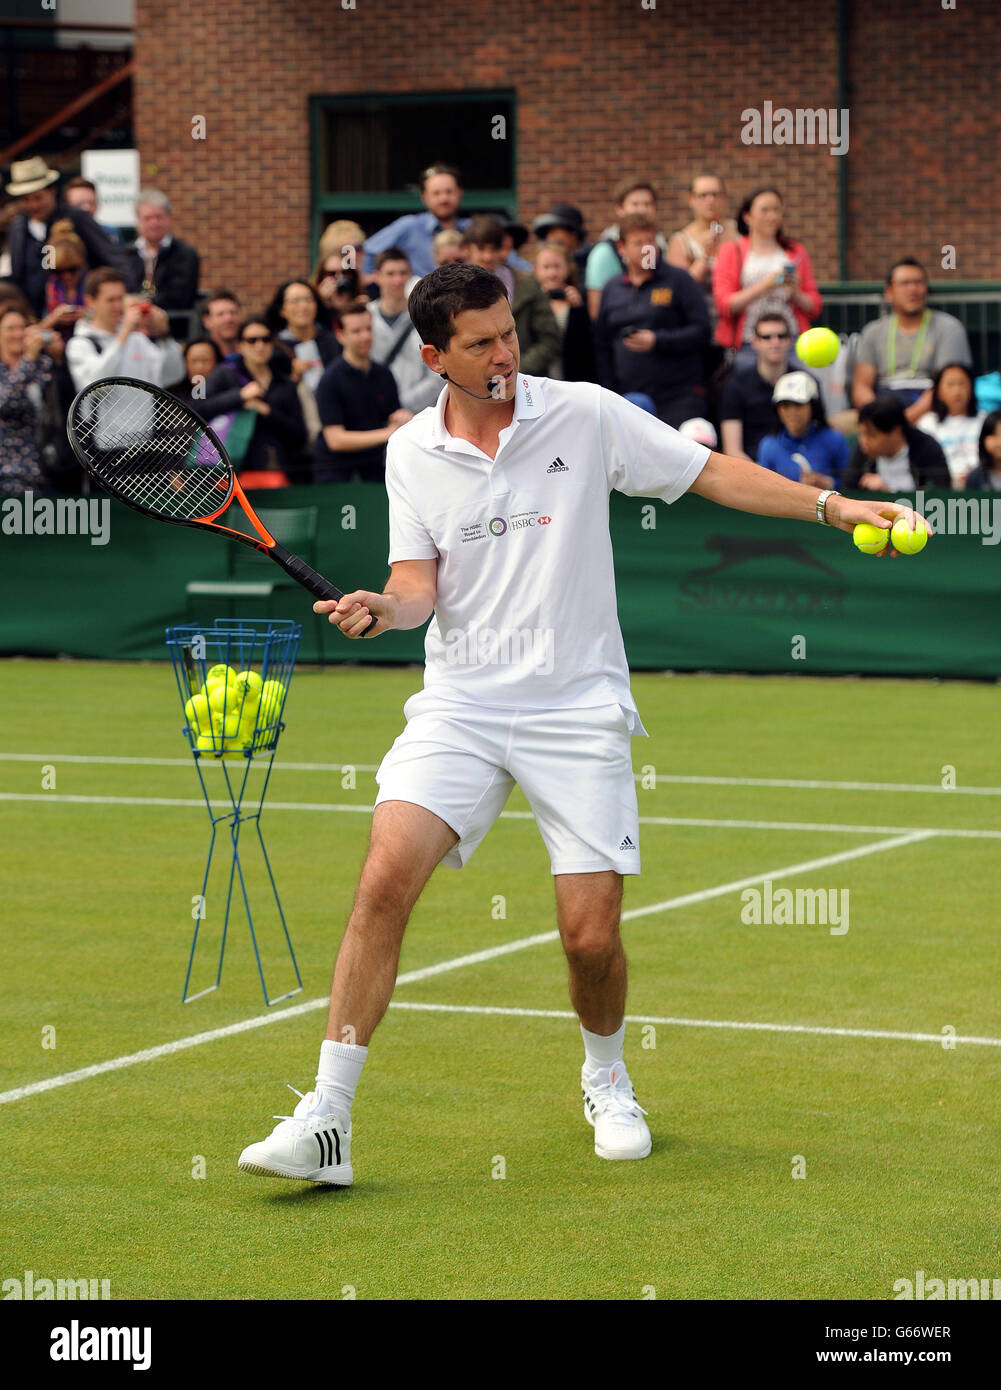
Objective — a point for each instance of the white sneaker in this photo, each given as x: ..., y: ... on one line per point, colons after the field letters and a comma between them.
x: 310, y: 1144
x: 620, y: 1130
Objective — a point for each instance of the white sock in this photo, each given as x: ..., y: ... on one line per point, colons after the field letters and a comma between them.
x: 339, y: 1070
x: 600, y: 1053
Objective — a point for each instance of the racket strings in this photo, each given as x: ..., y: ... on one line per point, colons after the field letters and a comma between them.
x: 148, y: 449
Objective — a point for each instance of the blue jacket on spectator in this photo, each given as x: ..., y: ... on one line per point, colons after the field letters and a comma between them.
x: 825, y: 450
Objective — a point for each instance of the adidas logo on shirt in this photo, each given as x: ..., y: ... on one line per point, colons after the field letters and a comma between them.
x: 627, y: 844
x: 557, y: 466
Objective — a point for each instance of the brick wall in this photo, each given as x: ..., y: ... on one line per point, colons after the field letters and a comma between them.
x: 604, y: 87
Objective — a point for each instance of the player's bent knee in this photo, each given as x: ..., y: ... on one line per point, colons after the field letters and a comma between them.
x: 591, y: 945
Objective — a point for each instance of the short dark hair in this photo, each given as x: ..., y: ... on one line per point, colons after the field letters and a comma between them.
x: 937, y: 404
x: 986, y: 430
x: 905, y: 260
x: 357, y: 306
x: 885, y: 413
x: 252, y: 319
x: 623, y: 189
x: 434, y: 169
x: 103, y: 275
x: 391, y: 253
x: 220, y: 293
x: 772, y: 316
x: 202, y: 341
x: 484, y: 230
x: 80, y: 183
x: 437, y: 299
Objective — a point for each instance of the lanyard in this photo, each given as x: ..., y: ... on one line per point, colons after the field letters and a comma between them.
x: 891, y: 347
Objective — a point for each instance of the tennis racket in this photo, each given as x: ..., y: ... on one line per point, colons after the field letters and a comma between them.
x: 153, y: 453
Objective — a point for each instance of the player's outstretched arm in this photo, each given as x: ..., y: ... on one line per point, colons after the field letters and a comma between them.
x: 747, y: 487
x: 407, y: 601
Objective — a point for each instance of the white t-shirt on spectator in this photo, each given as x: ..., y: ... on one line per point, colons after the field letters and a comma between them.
x: 959, y: 436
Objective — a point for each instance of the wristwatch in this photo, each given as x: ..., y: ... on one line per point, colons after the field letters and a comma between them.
x: 822, y: 504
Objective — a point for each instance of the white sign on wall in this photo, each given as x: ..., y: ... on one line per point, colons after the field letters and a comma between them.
x: 116, y: 174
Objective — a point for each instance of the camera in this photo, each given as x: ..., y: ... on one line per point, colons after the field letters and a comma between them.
x: 348, y: 283
x: 557, y: 294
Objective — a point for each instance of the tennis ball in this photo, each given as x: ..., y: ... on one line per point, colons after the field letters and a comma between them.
x: 272, y: 695
x: 197, y: 713
x: 218, y: 674
x: 222, y: 697
x: 870, y: 539
x: 205, y: 743
x: 818, y: 347
x: 905, y: 540
x: 248, y: 686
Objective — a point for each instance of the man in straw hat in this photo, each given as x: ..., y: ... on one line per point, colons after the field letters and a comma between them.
x: 33, y: 183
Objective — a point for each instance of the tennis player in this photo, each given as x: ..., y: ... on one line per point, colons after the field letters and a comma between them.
x: 498, y: 505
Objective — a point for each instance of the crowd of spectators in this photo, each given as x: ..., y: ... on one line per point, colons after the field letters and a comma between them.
x: 695, y: 323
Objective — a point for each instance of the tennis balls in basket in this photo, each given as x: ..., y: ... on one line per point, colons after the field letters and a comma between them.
x: 198, y: 714
x: 247, y: 686
x: 218, y: 675
x: 222, y: 697
x: 272, y: 695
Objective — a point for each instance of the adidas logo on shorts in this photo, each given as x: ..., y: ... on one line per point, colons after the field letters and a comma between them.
x: 557, y: 466
x: 627, y: 844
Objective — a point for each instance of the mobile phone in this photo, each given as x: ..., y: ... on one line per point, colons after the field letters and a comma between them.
x: 557, y: 294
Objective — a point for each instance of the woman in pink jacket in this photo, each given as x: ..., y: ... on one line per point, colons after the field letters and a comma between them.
x: 762, y: 271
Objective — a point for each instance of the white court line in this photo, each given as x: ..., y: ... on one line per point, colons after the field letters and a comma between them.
x: 818, y: 1030
x: 427, y: 972
x: 674, y: 779
x: 349, y: 808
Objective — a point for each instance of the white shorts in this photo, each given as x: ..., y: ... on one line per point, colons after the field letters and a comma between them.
x: 574, y: 766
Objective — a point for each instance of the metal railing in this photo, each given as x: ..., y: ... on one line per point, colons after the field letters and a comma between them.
x: 977, y: 305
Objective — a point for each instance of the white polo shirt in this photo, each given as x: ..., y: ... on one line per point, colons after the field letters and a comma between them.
x: 525, y: 615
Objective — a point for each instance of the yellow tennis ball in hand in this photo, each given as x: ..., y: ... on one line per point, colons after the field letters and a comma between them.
x: 870, y: 539
x: 818, y: 347
x: 906, y: 540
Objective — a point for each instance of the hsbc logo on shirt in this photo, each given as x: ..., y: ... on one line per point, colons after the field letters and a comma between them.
x: 520, y: 521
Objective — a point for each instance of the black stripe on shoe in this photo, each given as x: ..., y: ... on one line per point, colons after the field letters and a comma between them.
x: 337, y: 1141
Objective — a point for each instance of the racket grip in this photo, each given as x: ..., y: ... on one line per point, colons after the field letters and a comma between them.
x: 308, y: 577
